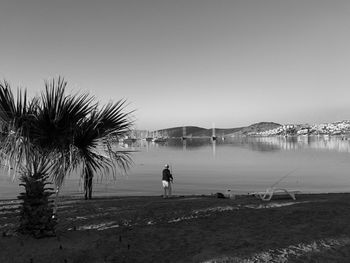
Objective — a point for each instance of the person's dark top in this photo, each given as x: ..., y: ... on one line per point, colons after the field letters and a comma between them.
x: 167, y: 176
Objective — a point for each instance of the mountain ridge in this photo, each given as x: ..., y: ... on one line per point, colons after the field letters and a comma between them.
x: 255, y: 129
x: 195, y: 131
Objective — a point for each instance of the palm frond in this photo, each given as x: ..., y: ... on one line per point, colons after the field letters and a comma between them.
x: 114, y: 120
x: 37, y: 165
x: 16, y: 114
x: 105, y: 163
x: 70, y: 130
x: 7, y: 103
x: 16, y: 117
x: 59, y: 114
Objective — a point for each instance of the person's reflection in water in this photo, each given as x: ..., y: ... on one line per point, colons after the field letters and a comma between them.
x: 213, y: 142
x: 184, y: 145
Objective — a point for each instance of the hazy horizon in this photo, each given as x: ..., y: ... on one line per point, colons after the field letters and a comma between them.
x: 187, y: 62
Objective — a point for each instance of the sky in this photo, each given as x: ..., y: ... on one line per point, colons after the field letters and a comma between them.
x: 187, y: 62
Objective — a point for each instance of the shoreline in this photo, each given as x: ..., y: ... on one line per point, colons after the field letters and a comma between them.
x: 116, y: 196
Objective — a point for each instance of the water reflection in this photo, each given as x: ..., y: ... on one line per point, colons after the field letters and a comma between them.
x: 314, y: 142
x: 263, y: 144
x: 253, y: 143
x: 213, y: 142
x: 184, y: 144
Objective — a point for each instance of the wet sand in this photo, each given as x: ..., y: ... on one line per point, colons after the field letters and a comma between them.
x: 186, y: 229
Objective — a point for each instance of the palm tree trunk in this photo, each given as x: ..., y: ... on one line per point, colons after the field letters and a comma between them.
x: 36, y: 215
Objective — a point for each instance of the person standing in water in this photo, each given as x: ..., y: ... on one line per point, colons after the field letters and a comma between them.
x: 167, y: 180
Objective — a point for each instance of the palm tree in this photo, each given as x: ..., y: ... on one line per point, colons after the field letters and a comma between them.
x: 55, y: 134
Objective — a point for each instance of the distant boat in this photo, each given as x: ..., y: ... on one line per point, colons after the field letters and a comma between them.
x: 213, y: 137
x: 130, y: 139
x: 149, y: 138
x: 159, y: 138
x: 183, y: 133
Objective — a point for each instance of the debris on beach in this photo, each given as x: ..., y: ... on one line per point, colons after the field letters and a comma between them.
x: 272, y: 205
x: 100, y: 226
x: 285, y: 254
x: 193, y: 214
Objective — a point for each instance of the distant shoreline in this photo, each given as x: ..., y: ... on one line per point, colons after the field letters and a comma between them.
x: 260, y: 128
x: 112, y: 197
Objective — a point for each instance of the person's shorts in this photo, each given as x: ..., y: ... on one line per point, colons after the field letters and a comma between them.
x: 165, y: 184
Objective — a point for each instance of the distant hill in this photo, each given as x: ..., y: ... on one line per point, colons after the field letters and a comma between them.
x: 258, y: 127
x: 194, y: 131
x: 341, y: 128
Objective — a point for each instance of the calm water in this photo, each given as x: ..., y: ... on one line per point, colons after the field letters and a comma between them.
x: 242, y: 164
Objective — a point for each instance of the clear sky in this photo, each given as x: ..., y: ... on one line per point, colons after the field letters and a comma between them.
x: 187, y: 62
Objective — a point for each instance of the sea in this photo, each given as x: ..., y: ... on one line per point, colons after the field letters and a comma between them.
x: 242, y: 164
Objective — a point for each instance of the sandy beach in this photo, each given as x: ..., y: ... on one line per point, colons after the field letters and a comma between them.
x: 313, y: 228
